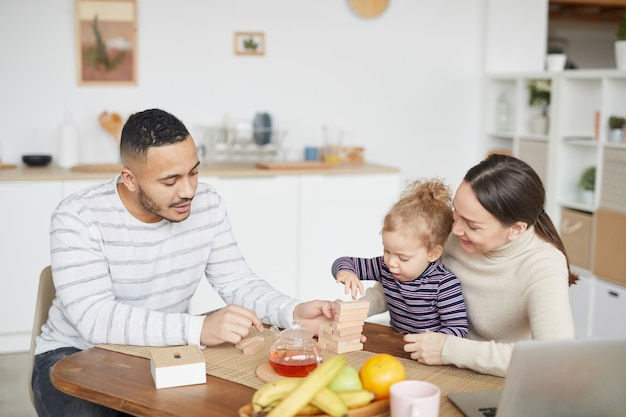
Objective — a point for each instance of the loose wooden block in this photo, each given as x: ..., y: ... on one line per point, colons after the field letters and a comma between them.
x: 254, y: 347
x: 177, y: 366
x: 246, y: 341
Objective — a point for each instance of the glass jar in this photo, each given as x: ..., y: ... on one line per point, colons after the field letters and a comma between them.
x: 295, y: 352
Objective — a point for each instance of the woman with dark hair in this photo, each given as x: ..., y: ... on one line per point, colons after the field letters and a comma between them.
x: 512, y: 266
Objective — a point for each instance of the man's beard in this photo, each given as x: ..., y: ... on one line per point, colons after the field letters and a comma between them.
x: 149, y: 205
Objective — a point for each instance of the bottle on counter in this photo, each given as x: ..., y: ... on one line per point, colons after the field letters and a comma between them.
x: 503, y: 110
x: 68, y: 143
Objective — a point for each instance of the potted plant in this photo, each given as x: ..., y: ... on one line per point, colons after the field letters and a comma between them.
x: 616, y: 128
x: 539, y: 95
x: 555, y: 59
x: 620, y: 44
x: 587, y: 185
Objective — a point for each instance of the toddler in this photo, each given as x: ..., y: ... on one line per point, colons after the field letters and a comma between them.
x: 422, y: 294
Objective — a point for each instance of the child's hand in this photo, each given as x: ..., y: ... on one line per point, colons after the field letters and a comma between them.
x: 351, y: 283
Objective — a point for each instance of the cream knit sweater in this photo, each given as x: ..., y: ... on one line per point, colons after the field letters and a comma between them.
x: 517, y: 292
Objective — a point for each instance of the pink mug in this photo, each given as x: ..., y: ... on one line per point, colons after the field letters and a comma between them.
x: 413, y: 398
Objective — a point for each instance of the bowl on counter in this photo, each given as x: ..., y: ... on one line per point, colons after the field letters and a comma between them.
x: 36, y: 160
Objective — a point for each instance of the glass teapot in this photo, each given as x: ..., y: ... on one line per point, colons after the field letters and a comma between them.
x: 295, y: 352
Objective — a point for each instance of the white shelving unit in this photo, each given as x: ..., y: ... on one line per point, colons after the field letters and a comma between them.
x: 581, y: 103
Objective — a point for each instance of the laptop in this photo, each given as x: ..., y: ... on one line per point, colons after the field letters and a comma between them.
x: 573, y: 378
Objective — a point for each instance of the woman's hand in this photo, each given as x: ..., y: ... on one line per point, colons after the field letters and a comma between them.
x: 426, y: 347
x: 351, y: 282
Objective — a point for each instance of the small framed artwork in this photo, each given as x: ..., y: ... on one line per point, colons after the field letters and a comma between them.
x: 106, y: 42
x: 249, y: 43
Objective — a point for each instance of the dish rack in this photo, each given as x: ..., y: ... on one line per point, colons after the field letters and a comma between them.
x: 218, y: 143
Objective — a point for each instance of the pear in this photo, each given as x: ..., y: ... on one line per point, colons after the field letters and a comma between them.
x: 346, y: 380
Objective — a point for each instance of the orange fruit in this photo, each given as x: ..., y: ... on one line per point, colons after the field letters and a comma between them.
x: 379, y: 372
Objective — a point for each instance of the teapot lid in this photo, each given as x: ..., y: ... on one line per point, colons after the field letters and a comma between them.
x: 295, y: 332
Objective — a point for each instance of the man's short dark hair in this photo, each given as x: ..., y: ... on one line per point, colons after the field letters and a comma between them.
x: 148, y: 128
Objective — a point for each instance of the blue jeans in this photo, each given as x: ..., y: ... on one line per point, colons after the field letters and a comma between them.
x: 50, y: 402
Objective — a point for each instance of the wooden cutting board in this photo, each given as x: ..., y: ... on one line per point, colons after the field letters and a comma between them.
x: 294, y: 165
x: 7, y: 166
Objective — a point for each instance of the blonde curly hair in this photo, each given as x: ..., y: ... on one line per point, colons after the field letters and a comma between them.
x: 424, y: 211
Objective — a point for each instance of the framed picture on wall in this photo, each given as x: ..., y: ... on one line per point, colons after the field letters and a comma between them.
x: 106, y: 42
x: 249, y: 43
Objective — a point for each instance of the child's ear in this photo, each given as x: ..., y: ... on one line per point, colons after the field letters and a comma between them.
x: 435, y: 253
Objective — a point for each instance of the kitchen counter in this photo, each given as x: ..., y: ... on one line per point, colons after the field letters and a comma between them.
x: 213, y: 169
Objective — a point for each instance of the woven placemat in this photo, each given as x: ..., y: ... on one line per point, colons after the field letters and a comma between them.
x: 228, y: 362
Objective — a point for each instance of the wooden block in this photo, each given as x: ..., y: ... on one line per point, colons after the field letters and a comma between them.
x: 361, y: 316
x: 254, y: 347
x: 340, y: 335
x: 355, y: 312
x: 243, y: 342
x: 350, y: 348
x: 346, y: 325
x: 347, y: 331
x: 352, y: 305
x: 335, y: 345
x: 177, y: 366
x: 340, y: 347
x: 334, y: 338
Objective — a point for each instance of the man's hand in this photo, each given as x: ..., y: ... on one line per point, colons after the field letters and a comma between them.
x: 426, y: 348
x: 228, y: 325
x: 352, y: 284
x: 311, y: 315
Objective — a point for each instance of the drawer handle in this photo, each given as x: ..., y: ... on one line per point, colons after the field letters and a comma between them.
x: 567, y: 228
x: 613, y: 294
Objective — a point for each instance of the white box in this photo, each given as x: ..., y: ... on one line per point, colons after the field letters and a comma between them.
x: 177, y: 366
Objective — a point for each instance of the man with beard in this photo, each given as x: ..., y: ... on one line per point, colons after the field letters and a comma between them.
x: 127, y: 257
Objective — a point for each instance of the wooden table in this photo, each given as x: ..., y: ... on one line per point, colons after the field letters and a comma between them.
x: 124, y: 382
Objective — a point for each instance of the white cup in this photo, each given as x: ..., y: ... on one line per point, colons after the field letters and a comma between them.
x: 413, y: 398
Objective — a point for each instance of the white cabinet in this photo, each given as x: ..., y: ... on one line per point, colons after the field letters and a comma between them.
x: 291, y: 228
x: 340, y: 216
x: 609, y: 315
x: 25, y: 246
x: 582, y: 101
x: 580, y: 297
x: 264, y: 216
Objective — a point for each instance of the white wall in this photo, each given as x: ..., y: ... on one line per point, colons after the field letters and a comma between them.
x: 407, y: 84
x: 515, y: 35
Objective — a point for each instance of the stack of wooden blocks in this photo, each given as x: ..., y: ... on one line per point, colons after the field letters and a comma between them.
x: 344, y: 333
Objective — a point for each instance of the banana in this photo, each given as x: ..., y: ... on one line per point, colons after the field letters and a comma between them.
x: 272, y: 392
x: 356, y: 399
x: 309, y: 387
x: 329, y: 402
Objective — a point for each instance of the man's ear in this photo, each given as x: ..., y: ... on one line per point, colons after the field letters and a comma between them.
x: 435, y: 253
x: 129, y: 180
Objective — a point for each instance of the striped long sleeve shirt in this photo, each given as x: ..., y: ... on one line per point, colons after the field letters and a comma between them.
x: 119, y: 280
x: 432, y: 302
